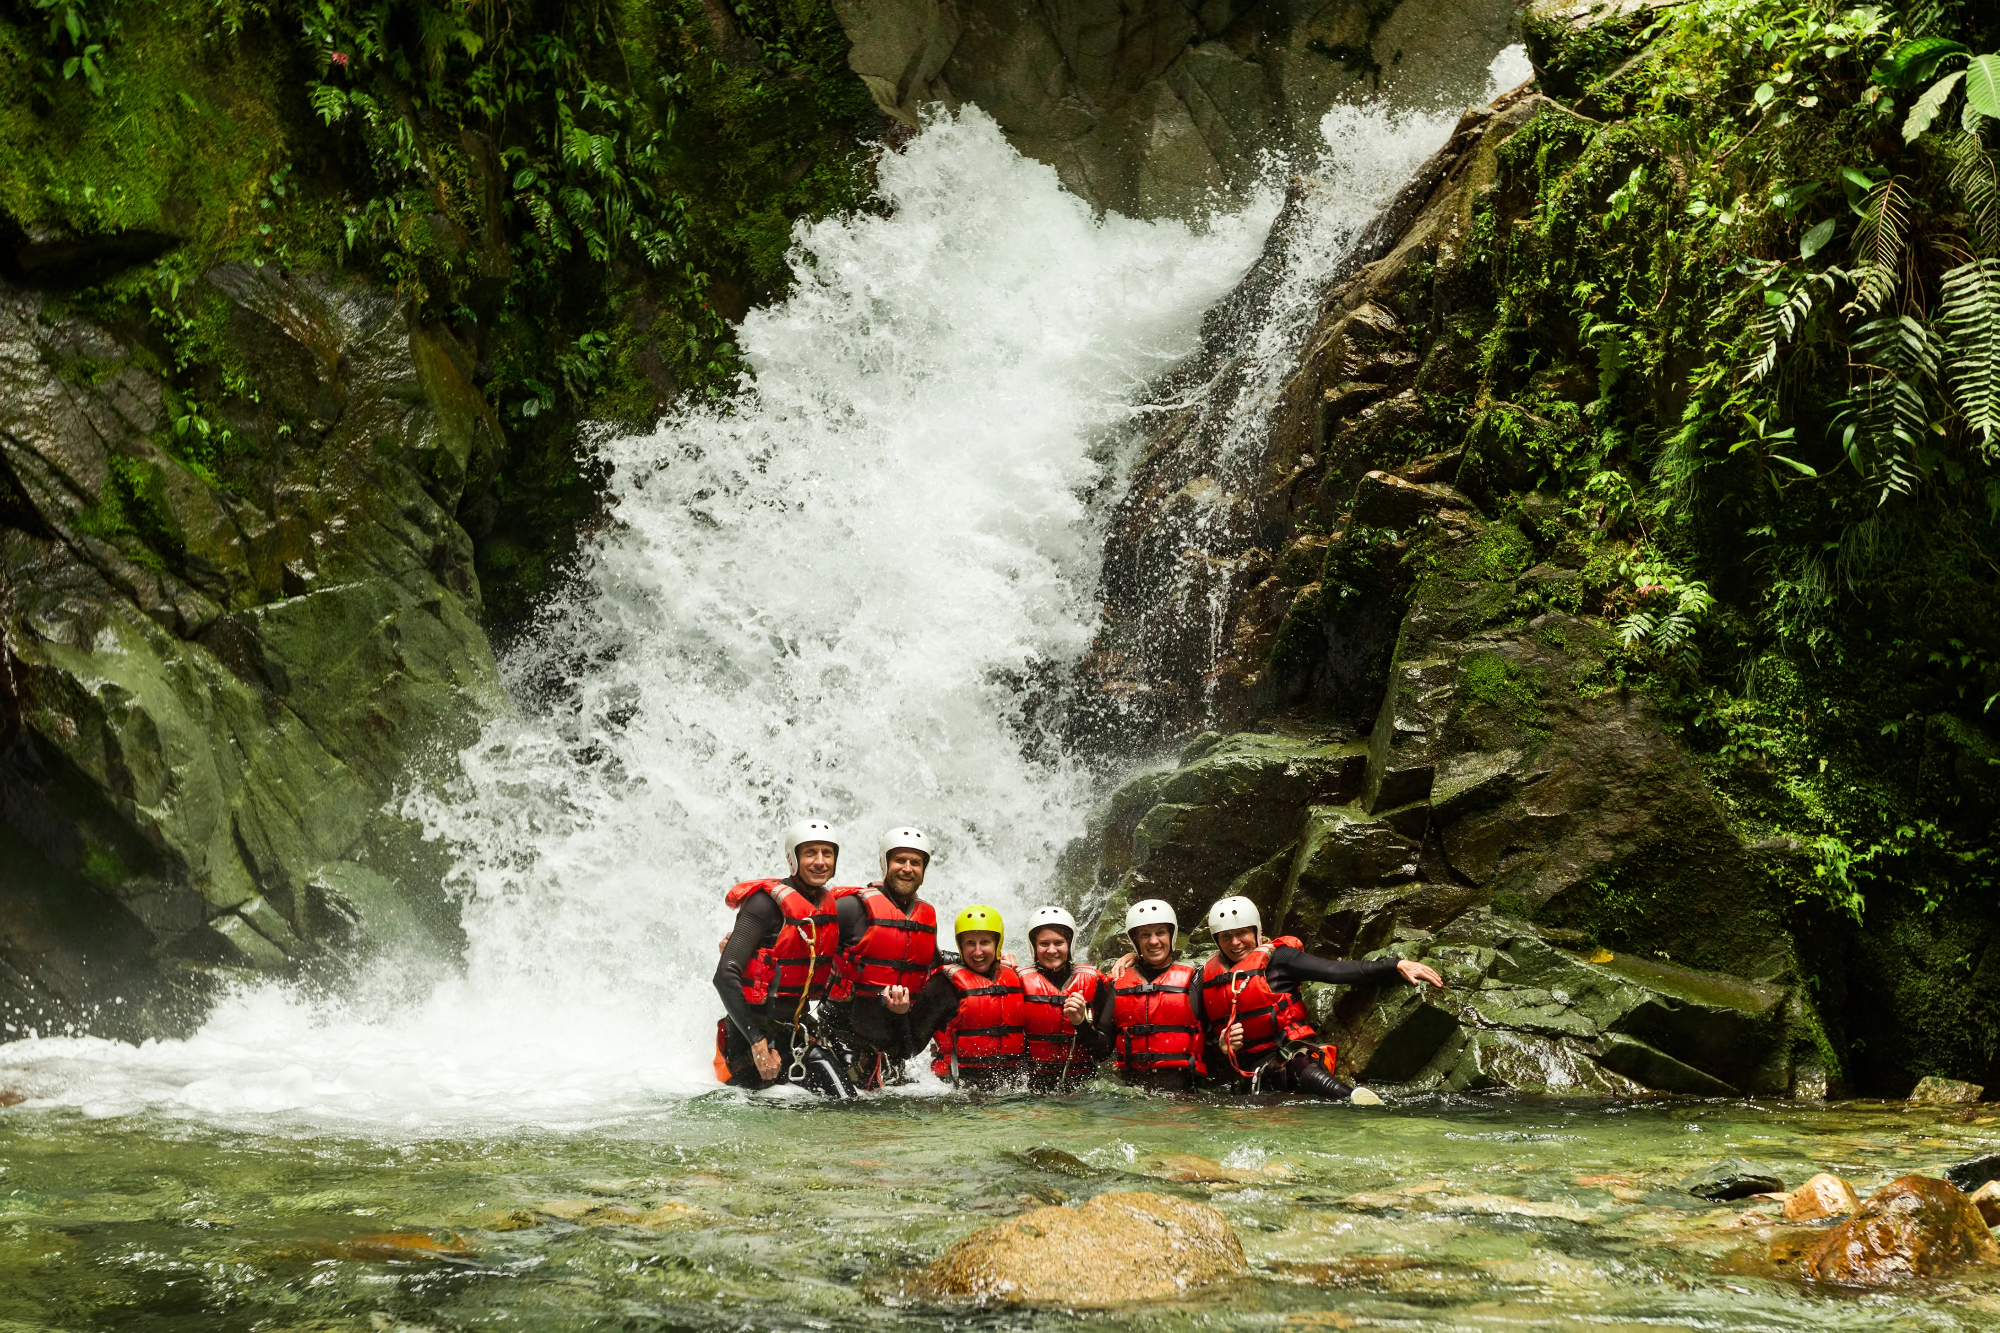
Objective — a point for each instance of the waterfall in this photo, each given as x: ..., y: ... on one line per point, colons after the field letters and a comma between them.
x: 848, y: 590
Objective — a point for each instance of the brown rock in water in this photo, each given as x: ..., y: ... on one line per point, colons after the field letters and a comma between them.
x: 1987, y: 1200
x: 387, y: 1245
x: 1823, y: 1196
x: 1912, y: 1227
x: 1116, y: 1249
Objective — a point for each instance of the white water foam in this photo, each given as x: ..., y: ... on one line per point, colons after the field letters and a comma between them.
x: 829, y: 598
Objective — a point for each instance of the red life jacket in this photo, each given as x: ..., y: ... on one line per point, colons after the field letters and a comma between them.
x: 1239, y: 993
x: 896, y: 949
x: 989, y: 1030
x: 1051, y: 1038
x: 1157, y: 1027
x: 800, y: 960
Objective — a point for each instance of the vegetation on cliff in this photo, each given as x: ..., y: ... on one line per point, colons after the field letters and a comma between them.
x: 582, y: 193
x: 1738, y: 309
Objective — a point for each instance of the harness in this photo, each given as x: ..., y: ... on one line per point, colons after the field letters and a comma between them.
x: 988, y: 1033
x: 1051, y: 1038
x: 897, y: 949
x: 1241, y: 992
x: 1157, y: 1026
x: 798, y: 964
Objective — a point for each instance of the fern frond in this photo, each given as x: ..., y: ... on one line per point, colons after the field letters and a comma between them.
x: 1972, y: 349
x: 1779, y: 324
x: 1976, y: 177
x: 1881, y: 240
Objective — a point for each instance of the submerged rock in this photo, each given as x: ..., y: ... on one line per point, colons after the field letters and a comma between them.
x: 1732, y: 1178
x: 1822, y: 1197
x: 1912, y: 1227
x: 1115, y: 1249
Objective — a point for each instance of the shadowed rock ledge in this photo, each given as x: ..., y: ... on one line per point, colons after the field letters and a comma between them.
x: 212, y: 686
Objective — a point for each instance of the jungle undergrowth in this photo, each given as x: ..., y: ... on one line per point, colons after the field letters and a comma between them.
x: 586, y: 194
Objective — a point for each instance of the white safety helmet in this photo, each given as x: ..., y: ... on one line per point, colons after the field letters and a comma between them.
x: 1151, y: 912
x: 805, y: 831
x: 911, y: 838
x: 1052, y: 916
x: 1234, y: 913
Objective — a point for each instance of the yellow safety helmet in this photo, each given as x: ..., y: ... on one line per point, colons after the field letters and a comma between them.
x: 978, y: 917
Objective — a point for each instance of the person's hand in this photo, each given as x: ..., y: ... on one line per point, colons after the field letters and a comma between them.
x: 1232, y: 1038
x: 1076, y: 1011
x: 896, y: 999
x: 1413, y: 972
x: 1007, y: 960
x: 722, y: 945
x: 766, y: 1056
x: 1122, y: 966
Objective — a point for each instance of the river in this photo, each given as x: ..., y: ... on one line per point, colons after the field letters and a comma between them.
x: 852, y: 589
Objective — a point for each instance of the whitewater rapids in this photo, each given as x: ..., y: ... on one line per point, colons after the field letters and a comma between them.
x: 834, y: 594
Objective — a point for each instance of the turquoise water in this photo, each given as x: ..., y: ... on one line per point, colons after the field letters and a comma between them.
x: 729, y: 1213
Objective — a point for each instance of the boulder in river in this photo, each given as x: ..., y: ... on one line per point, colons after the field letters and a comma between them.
x: 1987, y: 1200
x: 1115, y: 1249
x: 1938, y: 1091
x: 1825, y: 1195
x: 1915, y: 1226
x: 1732, y: 1178
x: 1970, y: 1174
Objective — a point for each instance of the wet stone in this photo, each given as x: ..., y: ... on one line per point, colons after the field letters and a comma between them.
x: 1912, y: 1227
x: 1987, y: 1200
x: 1824, y: 1196
x: 1732, y: 1178
x: 1945, y: 1091
x: 1970, y: 1174
x: 1139, y: 1247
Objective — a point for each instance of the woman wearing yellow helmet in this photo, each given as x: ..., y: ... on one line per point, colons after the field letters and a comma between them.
x: 974, y: 1008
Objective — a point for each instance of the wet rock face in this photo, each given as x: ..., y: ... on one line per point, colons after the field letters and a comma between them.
x: 1912, y: 1227
x: 1519, y: 1012
x: 224, y: 640
x: 1115, y: 1249
x: 1151, y: 107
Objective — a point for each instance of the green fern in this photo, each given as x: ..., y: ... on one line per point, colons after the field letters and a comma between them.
x: 1976, y: 178
x: 1780, y: 323
x: 1972, y: 346
x: 1888, y: 419
x: 1881, y: 241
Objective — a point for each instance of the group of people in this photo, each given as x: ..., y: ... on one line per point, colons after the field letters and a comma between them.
x: 838, y: 989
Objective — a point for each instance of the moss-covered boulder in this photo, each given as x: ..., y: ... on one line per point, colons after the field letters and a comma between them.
x: 224, y: 649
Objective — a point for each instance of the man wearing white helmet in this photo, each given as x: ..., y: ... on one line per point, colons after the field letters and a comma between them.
x: 1259, y: 1035
x: 888, y: 946
x: 1068, y: 1012
x: 1157, y: 1030
x: 778, y: 959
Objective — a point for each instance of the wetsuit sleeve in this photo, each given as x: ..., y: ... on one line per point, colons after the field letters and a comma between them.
x: 757, y: 923
x: 1289, y: 966
x: 935, y: 1005
x: 853, y: 921
x: 1097, y: 1038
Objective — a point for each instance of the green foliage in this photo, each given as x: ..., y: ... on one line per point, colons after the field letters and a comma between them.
x: 1774, y: 323
x: 585, y: 194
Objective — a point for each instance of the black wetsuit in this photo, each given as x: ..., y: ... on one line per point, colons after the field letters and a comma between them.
x: 1298, y: 1071
x: 875, y: 1040
x: 758, y: 922
x: 1094, y: 1036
